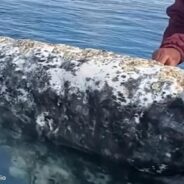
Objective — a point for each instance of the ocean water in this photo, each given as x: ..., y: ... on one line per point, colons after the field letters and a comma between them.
x: 132, y: 27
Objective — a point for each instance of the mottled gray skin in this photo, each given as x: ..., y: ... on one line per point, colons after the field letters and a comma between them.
x: 122, y: 108
x: 37, y: 163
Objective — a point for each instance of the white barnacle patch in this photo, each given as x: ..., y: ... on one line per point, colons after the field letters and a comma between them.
x: 10, y: 50
x: 58, y: 77
x: 99, y: 73
x: 42, y: 52
x: 150, y: 89
x: 41, y: 120
x: 23, y: 95
x: 137, y: 119
x: 3, y: 89
x: 19, y: 62
x: 145, y: 170
x: 168, y: 155
x: 162, y: 168
x: 90, y: 75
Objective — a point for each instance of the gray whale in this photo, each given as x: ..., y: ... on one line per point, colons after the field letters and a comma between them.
x: 122, y: 108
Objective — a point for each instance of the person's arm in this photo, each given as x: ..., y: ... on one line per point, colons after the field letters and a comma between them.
x: 171, y: 51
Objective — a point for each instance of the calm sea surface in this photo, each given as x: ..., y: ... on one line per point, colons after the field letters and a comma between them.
x: 133, y: 27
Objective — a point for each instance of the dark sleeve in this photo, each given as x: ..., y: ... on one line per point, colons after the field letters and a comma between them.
x: 174, y: 34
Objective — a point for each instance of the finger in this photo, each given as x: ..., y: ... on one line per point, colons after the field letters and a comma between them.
x: 170, y: 62
x: 163, y: 59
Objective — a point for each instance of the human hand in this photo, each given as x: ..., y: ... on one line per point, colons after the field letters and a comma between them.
x: 167, y: 56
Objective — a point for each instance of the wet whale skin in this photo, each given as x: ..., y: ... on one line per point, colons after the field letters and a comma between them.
x: 122, y: 108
